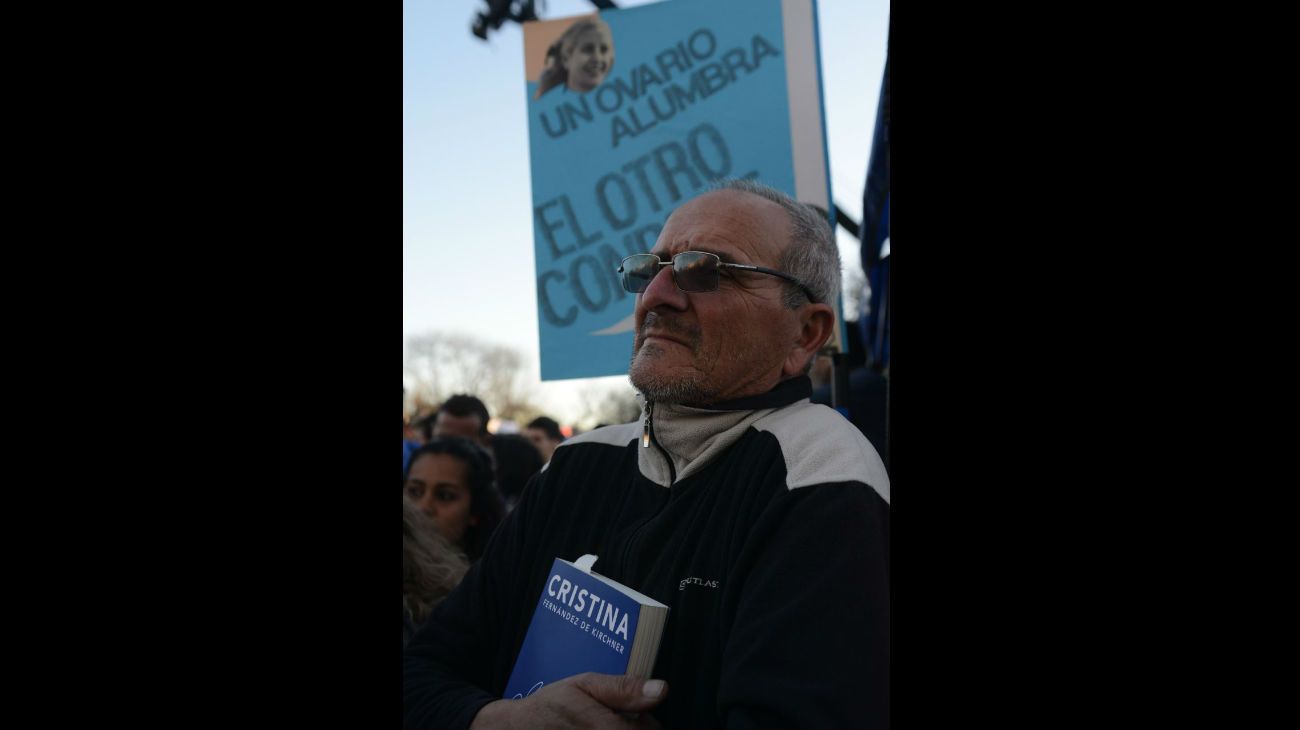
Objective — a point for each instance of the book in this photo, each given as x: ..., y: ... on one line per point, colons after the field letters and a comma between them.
x: 656, y: 103
x: 586, y: 622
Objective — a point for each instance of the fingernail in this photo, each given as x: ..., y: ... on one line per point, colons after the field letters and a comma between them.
x: 654, y: 689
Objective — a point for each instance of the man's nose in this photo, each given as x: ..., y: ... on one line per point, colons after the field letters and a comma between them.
x: 663, y: 292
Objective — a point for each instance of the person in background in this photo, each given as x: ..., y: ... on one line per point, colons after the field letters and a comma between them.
x: 545, y: 434
x: 867, y: 396
x: 581, y: 58
x: 463, y: 416
x: 431, y: 568
x: 425, y: 426
x: 517, y: 460
x: 408, y: 443
x: 450, y: 481
x: 408, y: 448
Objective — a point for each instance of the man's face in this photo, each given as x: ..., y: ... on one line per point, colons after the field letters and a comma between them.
x: 590, y: 60
x: 730, y: 343
x: 544, y: 444
x: 466, y: 427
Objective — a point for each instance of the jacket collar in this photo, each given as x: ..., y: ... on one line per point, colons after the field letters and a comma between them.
x: 685, y: 439
x: 786, y: 392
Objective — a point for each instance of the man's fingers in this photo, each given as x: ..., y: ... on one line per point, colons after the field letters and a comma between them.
x: 621, y: 692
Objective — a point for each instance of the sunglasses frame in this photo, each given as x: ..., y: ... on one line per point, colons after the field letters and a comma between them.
x: 719, y: 264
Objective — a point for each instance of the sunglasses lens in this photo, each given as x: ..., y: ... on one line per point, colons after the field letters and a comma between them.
x: 638, y: 270
x: 695, y: 271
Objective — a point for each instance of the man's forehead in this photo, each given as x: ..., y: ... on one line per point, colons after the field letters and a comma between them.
x: 732, y: 224
x: 697, y: 243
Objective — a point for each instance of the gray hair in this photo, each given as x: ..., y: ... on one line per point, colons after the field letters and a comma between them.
x: 811, y: 256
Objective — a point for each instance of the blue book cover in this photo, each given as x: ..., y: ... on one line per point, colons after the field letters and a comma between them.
x: 586, y: 622
x: 632, y: 112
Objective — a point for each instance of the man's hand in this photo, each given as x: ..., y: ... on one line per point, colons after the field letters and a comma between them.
x: 586, y: 701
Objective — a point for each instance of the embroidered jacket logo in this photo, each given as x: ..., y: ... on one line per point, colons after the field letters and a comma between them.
x: 696, y: 582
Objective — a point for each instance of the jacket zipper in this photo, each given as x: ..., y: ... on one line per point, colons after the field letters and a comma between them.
x: 647, y: 436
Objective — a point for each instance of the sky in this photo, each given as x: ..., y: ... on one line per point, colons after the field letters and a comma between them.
x: 467, y: 251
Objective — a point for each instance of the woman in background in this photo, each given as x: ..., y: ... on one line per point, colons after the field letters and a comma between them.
x: 450, y: 481
x: 580, y: 59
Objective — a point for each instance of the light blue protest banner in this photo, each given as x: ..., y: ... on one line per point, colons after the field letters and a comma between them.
x: 632, y: 112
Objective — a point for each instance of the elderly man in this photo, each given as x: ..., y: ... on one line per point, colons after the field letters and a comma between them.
x: 761, y: 519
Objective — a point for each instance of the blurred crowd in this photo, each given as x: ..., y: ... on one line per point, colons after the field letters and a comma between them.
x: 459, y: 481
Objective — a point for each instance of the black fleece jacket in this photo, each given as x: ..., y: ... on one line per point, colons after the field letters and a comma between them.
x: 762, y: 523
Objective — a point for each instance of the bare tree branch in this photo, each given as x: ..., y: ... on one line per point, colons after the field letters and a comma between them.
x: 439, y: 364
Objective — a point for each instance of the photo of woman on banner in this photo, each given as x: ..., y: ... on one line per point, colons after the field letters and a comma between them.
x: 580, y: 59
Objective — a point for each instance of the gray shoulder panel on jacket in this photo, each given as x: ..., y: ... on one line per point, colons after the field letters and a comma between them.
x: 821, y: 446
x: 620, y: 435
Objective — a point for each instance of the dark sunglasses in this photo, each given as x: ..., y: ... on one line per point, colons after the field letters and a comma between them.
x: 693, y: 272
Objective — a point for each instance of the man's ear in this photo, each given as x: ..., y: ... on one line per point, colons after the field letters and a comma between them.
x: 816, y: 323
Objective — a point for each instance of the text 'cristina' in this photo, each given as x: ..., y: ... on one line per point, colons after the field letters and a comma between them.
x: 602, y: 612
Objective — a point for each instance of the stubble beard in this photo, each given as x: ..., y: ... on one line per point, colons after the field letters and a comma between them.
x: 662, y: 387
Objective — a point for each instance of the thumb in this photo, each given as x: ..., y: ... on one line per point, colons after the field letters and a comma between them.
x: 621, y: 692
